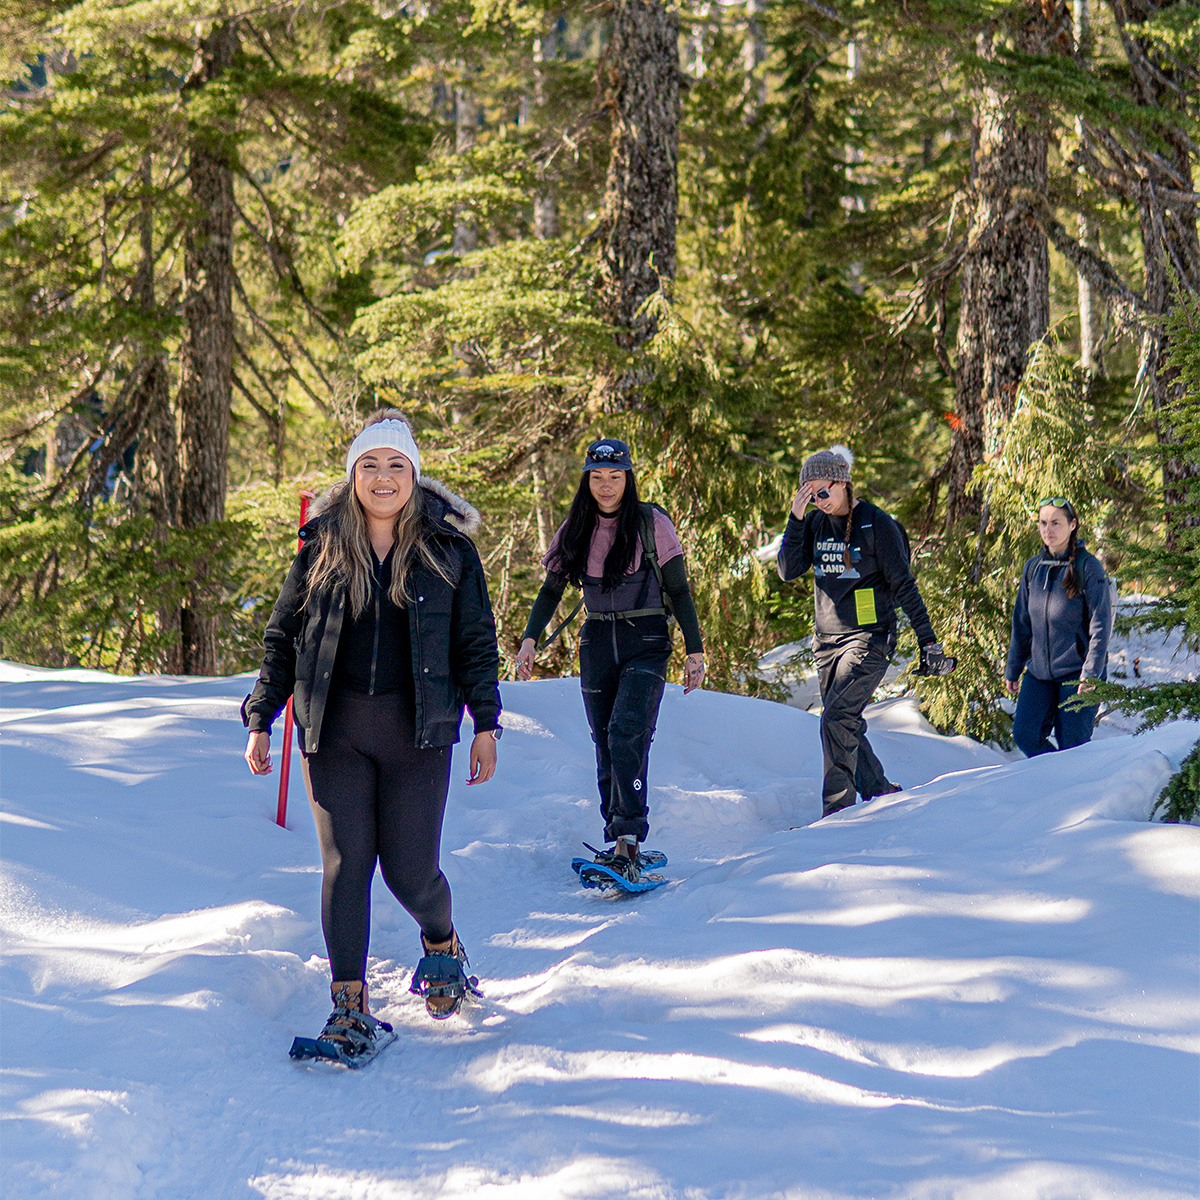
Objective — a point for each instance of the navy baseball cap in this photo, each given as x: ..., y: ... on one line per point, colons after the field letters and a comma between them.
x: 608, y: 452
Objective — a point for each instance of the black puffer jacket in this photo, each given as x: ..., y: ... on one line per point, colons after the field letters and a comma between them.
x: 455, y: 658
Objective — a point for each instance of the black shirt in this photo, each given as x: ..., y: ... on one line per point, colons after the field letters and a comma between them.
x: 374, y: 652
x: 865, y: 594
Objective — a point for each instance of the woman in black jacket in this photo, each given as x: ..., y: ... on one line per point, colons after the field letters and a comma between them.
x: 860, y: 562
x: 1062, y: 621
x: 626, y: 641
x: 382, y: 630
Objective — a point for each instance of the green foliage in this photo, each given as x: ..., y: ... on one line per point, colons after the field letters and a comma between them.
x: 1179, y: 801
x: 1177, y: 567
x: 80, y: 588
x: 1056, y: 445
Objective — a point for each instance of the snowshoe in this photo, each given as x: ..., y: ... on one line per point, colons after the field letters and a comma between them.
x: 351, y: 1037
x: 441, y: 977
x: 614, y: 871
x: 647, y: 860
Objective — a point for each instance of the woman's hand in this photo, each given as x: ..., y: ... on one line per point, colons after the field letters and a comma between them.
x: 1086, y: 685
x: 525, y: 659
x: 801, y: 501
x: 483, y: 758
x: 1013, y: 686
x: 693, y: 672
x: 258, y: 753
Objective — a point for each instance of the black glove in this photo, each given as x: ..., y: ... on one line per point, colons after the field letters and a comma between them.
x: 934, y: 660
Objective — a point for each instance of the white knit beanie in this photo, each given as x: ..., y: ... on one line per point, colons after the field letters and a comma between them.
x: 388, y: 434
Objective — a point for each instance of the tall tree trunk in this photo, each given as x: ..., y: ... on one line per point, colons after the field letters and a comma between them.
x: 754, y: 54
x: 466, y: 125
x: 1170, y: 247
x: 158, y: 460
x: 206, y: 354
x: 641, y: 192
x: 1005, y: 285
x: 1089, y: 302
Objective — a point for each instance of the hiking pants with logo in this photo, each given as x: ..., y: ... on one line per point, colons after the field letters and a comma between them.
x: 849, y: 668
x: 1040, y: 712
x: 376, y: 798
x: 623, y: 670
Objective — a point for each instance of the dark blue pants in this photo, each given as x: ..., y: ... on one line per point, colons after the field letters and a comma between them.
x: 623, y: 670
x: 1040, y: 712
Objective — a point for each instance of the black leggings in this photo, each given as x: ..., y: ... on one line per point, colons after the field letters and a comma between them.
x: 623, y: 670
x: 376, y: 798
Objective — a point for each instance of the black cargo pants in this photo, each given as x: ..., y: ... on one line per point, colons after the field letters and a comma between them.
x: 849, y: 669
x: 623, y: 671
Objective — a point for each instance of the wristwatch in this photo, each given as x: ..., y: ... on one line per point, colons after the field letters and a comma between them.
x: 497, y: 732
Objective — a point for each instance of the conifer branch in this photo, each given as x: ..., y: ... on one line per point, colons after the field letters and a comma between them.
x: 1128, y: 306
x: 279, y: 254
x: 282, y: 351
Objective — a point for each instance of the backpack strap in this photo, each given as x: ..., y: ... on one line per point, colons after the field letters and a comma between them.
x: 650, y: 552
x: 550, y: 639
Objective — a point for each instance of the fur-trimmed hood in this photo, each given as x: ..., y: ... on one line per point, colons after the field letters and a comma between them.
x: 456, y: 512
x: 445, y: 506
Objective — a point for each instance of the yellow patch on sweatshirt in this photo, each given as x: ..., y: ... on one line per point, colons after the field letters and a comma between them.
x: 864, y: 606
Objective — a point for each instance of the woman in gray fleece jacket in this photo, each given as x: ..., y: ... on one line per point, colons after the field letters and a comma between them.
x: 1060, y: 629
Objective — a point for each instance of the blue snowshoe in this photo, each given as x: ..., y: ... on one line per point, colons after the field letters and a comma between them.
x: 615, y: 872
x: 441, y: 977
x: 351, y: 1037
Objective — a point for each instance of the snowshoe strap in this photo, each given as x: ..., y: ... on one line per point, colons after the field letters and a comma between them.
x: 441, y: 975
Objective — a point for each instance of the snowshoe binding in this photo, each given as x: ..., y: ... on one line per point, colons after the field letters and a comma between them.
x: 351, y: 1037
x: 614, y: 871
x: 441, y: 977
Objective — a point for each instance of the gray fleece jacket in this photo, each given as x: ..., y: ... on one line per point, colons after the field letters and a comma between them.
x: 1060, y: 637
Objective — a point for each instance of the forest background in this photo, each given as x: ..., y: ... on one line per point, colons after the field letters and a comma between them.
x: 957, y: 235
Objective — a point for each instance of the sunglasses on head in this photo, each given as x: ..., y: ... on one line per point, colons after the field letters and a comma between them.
x: 1057, y: 502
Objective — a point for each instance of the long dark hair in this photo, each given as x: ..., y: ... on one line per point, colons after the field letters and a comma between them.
x: 1071, y: 582
x: 581, y: 524
x: 846, y: 559
x: 1071, y: 579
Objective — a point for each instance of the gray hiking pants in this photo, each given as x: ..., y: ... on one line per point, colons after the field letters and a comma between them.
x: 849, y: 668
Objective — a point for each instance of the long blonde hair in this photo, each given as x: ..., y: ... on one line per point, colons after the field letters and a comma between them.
x: 344, y: 554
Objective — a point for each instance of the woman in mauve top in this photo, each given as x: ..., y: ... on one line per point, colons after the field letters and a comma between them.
x: 626, y: 639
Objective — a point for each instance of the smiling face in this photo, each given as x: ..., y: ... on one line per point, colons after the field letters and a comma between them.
x: 383, y: 483
x: 835, y: 505
x: 1055, y: 527
x: 607, y: 485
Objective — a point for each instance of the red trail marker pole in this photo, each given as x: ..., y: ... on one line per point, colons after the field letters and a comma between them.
x: 285, y: 761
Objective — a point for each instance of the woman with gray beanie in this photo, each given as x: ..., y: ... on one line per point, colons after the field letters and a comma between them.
x: 860, y: 562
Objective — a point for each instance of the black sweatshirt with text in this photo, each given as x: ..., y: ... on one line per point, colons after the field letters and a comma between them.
x: 865, y: 594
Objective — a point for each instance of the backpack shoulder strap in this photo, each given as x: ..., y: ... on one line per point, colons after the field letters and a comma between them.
x: 650, y: 548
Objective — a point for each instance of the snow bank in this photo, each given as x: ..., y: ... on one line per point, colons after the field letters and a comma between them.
x: 984, y: 986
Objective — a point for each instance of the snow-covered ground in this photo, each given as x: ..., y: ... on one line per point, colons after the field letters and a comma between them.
x: 985, y: 986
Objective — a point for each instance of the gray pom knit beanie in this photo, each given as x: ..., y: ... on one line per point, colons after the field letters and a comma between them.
x: 833, y: 464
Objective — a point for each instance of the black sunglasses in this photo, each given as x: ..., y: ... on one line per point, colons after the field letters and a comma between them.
x: 823, y: 494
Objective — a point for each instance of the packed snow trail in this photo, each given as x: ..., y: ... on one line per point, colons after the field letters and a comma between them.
x: 983, y: 986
